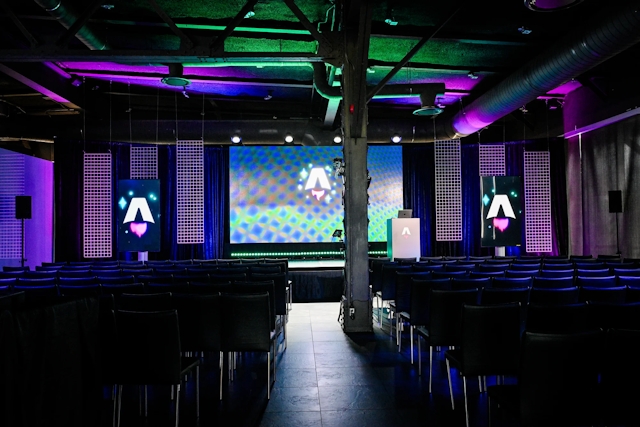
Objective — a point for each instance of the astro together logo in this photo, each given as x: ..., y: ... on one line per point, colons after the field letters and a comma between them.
x: 500, y: 201
x: 314, y: 180
x: 139, y: 215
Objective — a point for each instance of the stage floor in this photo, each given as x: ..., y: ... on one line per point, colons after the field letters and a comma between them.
x: 316, y: 264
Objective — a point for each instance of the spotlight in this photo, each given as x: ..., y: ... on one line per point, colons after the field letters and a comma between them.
x: 288, y: 139
x: 236, y: 139
x: 472, y: 75
x: 250, y: 14
x: 524, y: 30
x: 269, y: 95
x: 396, y: 138
x: 337, y: 139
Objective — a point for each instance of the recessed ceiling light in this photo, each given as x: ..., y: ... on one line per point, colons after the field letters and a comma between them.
x: 337, y: 139
x: 288, y: 138
x: 236, y: 139
x: 396, y: 138
x: 176, y: 81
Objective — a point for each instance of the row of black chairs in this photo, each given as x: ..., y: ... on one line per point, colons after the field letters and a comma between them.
x: 157, y: 339
x: 564, y: 375
x: 147, y: 264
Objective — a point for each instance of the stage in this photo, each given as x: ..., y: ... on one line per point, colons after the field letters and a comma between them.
x: 317, y: 280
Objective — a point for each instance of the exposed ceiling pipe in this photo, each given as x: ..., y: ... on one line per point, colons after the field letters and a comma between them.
x: 66, y: 15
x: 322, y: 86
x: 572, y: 56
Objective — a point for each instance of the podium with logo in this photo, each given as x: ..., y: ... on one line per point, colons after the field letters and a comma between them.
x: 403, y: 238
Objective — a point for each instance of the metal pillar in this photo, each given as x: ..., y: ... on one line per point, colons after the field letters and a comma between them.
x: 357, y: 302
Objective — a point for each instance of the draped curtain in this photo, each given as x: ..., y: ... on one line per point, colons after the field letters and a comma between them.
x: 419, y: 195
x: 600, y: 161
x: 68, y: 172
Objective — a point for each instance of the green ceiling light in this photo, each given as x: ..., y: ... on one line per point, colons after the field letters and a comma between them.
x: 428, y: 104
x: 175, y: 76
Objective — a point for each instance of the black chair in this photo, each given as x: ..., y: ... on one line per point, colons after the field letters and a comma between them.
x: 616, y: 294
x: 148, y: 353
x: 601, y: 282
x: 200, y: 324
x: 80, y: 290
x: 626, y: 272
x: 507, y: 295
x: 388, y: 291
x: 568, y: 295
x: 511, y: 282
x: 606, y: 315
x: 404, y: 280
x: 556, y: 266
x: 116, y: 280
x: 489, y: 344
x: 145, y: 302
x: 557, y: 380
x: 544, y: 273
x: 13, y: 300
x: 481, y: 274
x: 526, y: 266
x: 418, y: 313
x: 280, y: 295
x: 450, y: 274
x: 470, y: 283
x: 553, y: 282
x: 589, y: 265
x: 9, y: 268
x: 619, y: 371
x: 40, y: 274
x: 601, y: 272
x: 561, y: 318
x: 254, y: 332
x: 521, y: 273
x: 77, y: 273
x: 444, y: 327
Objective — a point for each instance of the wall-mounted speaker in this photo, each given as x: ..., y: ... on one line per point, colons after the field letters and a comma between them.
x: 615, y: 201
x: 23, y: 207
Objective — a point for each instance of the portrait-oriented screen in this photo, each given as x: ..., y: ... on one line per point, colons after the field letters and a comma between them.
x: 292, y: 194
x: 138, y: 207
x: 502, y: 211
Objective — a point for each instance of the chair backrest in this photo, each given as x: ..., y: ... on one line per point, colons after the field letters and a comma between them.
x: 601, y: 282
x: 470, y: 282
x: 605, y: 315
x: 146, y: 302
x: 553, y: 282
x: 561, y: 318
x: 12, y: 300
x: 40, y: 274
x: 589, y: 265
x: 118, y: 289
x: 568, y: 295
x: 620, y: 369
x: 389, y: 279
x: 375, y: 273
x: 556, y: 266
x: 505, y: 295
x: 626, y: 271
x: 245, y: 322
x: 526, y: 266
x: 459, y: 267
x: 46, y: 281
x: 438, y: 274
x: 280, y: 289
x: 148, y: 347
x: 559, y: 378
x: 616, y: 294
x: 200, y: 321
x: 490, y: 339
x: 445, y: 314
x: 601, y: 272
x: 544, y: 273
x: 511, y: 282
x: 80, y: 290
x: 253, y: 287
x: 491, y: 266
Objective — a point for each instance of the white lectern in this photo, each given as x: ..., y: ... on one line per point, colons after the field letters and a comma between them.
x: 403, y: 238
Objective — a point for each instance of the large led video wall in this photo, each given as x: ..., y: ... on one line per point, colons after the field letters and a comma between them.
x: 291, y: 194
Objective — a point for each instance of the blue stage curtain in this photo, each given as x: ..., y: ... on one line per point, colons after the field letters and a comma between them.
x: 68, y: 172
x: 419, y: 195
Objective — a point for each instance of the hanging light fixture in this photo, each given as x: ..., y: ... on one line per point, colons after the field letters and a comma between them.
x: 175, y: 76
x: 428, y: 104
x: 550, y: 5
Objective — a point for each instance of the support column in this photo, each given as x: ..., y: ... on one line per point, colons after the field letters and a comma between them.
x: 357, y: 302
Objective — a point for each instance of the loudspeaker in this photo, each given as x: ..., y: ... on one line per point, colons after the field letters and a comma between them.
x: 23, y: 207
x: 615, y: 201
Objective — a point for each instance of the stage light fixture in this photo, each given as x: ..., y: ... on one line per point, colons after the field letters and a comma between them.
x: 175, y: 76
x: 288, y: 139
x: 429, y: 100
x: 396, y: 138
x: 337, y: 139
x: 236, y: 139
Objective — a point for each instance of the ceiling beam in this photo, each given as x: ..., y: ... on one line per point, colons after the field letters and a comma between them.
x: 79, y: 23
x: 219, y: 41
x: 149, y: 56
x: 46, y: 81
x: 412, y: 52
x: 18, y: 23
x: 167, y: 19
x: 306, y: 24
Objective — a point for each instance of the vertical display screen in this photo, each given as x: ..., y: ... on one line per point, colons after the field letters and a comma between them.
x: 502, y: 210
x: 138, y: 207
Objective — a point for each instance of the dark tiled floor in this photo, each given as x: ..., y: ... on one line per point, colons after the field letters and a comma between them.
x: 325, y: 378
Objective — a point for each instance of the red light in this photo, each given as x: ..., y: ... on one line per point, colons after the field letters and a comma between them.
x: 352, y: 108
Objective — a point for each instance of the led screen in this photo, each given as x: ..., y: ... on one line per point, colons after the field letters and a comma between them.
x: 138, y: 207
x: 502, y: 210
x: 291, y: 194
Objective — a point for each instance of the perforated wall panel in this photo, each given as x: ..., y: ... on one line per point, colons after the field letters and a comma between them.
x: 492, y: 160
x: 12, y: 177
x: 448, y: 191
x: 98, y: 209
x: 144, y: 162
x: 190, y: 191
x: 537, y: 201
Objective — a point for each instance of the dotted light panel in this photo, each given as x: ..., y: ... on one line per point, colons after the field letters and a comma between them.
x: 144, y: 162
x: 98, y: 216
x: 448, y: 191
x: 492, y: 160
x: 190, y: 191
x: 12, y: 185
x: 537, y: 201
